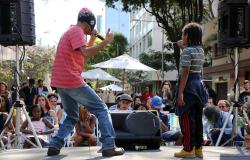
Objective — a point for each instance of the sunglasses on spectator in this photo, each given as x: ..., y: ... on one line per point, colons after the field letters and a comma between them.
x: 222, y: 106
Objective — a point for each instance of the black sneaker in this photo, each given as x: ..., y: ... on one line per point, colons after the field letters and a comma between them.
x: 52, y: 151
x: 113, y: 152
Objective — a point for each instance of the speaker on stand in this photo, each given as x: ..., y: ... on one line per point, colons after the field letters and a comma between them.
x: 234, y: 23
x: 17, y: 22
x: 233, y: 32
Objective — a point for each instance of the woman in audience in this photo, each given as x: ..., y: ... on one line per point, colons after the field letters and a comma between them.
x: 53, y: 99
x: 85, y: 128
x: 167, y: 96
x: 49, y: 114
x: 10, y: 128
x: 4, y: 92
x: 39, y: 123
x: 5, y: 104
x: 224, y: 105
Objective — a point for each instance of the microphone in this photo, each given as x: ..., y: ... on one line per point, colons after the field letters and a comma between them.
x: 100, y: 37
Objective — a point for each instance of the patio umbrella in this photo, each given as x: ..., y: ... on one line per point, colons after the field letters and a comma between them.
x: 111, y: 87
x: 99, y: 74
x: 124, y: 62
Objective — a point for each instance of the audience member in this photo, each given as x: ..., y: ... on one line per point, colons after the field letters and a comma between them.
x: 224, y: 105
x: 4, y: 92
x: 244, y: 96
x: 41, y: 89
x: 28, y: 94
x: 140, y: 106
x: 124, y: 103
x: 167, y: 135
x: 49, y: 114
x: 166, y: 94
x: 146, y: 94
x: 85, y: 128
x: 10, y: 128
x: 39, y: 123
x: 217, y: 118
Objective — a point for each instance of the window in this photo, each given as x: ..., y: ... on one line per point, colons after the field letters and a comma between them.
x: 143, y: 44
x: 149, y: 37
x: 140, y: 48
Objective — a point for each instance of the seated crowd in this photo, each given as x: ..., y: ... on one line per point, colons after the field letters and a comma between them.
x: 47, y: 114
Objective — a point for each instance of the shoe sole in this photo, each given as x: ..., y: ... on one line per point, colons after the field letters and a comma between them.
x: 185, y: 156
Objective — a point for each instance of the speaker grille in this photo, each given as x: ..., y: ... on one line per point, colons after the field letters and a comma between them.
x: 17, y: 22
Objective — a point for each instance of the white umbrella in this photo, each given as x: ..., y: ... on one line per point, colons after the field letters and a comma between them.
x: 111, y: 87
x: 98, y: 74
x: 124, y: 62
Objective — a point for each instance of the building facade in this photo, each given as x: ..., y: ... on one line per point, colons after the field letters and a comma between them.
x: 146, y: 35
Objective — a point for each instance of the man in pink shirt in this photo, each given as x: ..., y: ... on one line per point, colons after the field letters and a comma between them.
x: 71, y: 53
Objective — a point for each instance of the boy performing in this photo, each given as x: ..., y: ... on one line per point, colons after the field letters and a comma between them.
x: 191, y: 94
x: 71, y: 53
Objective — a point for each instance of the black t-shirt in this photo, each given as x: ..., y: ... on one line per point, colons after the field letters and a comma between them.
x: 244, y: 97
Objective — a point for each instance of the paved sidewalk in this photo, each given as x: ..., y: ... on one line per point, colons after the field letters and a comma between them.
x: 90, y: 153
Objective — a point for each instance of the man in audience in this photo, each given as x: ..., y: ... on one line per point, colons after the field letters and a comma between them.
x: 217, y: 118
x: 245, y: 95
x: 41, y: 89
x: 28, y: 94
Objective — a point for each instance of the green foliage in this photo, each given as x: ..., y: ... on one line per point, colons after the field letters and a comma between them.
x: 39, y: 62
x: 154, y: 59
x: 136, y: 77
x: 6, y: 72
x: 119, y: 44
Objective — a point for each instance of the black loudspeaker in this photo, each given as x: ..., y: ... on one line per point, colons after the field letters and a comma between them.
x: 17, y: 22
x: 137, y: 129
x: 234, y: 23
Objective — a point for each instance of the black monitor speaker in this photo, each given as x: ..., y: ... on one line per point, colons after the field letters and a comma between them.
x: 137, y: 128
x: 17, y: 22
x: 234, y: 23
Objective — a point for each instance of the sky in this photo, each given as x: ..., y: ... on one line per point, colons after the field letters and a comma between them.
x: 53, y: 17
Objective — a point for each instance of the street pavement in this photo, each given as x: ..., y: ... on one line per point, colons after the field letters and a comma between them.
x: 90, y: 153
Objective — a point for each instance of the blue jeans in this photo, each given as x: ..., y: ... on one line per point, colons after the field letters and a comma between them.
x: 87, y: 97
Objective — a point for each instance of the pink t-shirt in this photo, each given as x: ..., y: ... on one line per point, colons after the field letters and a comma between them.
x: 68, y: 64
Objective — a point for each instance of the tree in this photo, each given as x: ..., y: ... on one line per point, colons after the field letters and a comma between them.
x: 152, y: 59
x: 39, y: 62
x: 6, y: 72
x: 117, y: 48
x: 171, y: 15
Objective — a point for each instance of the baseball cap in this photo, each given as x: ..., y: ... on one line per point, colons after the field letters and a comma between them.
x: 85, y: 15
x: 156, y: 102
x: 126, y: 97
